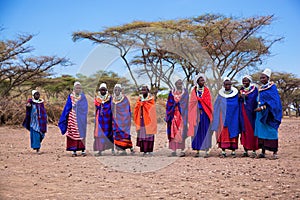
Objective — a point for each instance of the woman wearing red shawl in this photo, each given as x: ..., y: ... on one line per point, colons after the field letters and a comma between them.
x: 103, y: 135
x: 248, y: 101
x: 73, y: 120
x: 36, y: 120
x: 145, y: 121
x: 176, y: 118
x: 121, y: 120
x: 226, y: 122
x: 200, y: 116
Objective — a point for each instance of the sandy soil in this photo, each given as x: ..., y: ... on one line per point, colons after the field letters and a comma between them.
x: 56, y: 175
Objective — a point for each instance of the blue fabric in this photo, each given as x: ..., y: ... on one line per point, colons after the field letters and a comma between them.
x: 263, y: 130
x: 41, y: 114
x: 81, y: 109
x: 250, y: 103
x: 36, y: 138
x: 202, y: 139
x: 34, y: 123
x: 105, y: 120
x: 229, y: 111
x: 273, y: 113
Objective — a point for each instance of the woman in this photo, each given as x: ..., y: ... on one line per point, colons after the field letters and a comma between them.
x: 121, y: 120
x: 248, y: 102
x: 145, y: 121
x: 176, y: 118
x: 73, y: 120
x: 268, y: 117
x: 103, y: 135
x: 200, y: 116
x: 36, y: 120
x: 227, y: 118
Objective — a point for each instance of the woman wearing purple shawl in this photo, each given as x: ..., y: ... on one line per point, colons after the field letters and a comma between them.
x: 121, y: 120
x: 176, y: 118
x: 103, y: 135
x: 36, y: 120
x: 73, y: 120
x: 268, y: 117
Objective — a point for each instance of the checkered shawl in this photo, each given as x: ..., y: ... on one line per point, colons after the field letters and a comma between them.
x: 121, y: 119
x: 183, y: 109
x: 104, y: 116
x: 42, y: 116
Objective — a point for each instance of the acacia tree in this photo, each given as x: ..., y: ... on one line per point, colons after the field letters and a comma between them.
x: 220, y: 46
x: 288, y: 86
x: 19, y: 71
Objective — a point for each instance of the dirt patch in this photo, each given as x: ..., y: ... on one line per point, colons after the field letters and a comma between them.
x: 56, y: 175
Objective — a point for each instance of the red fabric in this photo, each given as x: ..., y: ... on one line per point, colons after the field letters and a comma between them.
x: 177, y: 126
x: 205, y: 101
x: 149, y: 115
x: 248, y: 140
x: 224, y: 140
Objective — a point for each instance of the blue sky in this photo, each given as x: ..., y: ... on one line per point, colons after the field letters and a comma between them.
x: 54, y: 21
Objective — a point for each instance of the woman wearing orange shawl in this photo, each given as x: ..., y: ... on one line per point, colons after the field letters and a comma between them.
x: 200, y: 116
x: 145, y: 121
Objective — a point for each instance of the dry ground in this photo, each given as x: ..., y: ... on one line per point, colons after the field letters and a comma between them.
x: 56, y: 175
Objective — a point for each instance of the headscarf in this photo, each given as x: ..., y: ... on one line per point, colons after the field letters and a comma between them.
x: 248, y: 77
x: 33, y: 92
x: 77, y: 83
x: 267, y: 72
x: 103, y: 85
x: 226, y: 79
x: 197, y: 77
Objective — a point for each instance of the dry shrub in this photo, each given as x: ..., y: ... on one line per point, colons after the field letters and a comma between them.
x: 12, y: 112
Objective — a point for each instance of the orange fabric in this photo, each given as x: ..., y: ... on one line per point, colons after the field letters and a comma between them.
x: 149, y: 114
x: 193, y: 106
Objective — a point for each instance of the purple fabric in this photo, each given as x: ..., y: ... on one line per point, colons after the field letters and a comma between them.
x: 81, y: 109
x: 105, y: 120
x: 183, y: 109
x: 121, y: 119
x: 41, y: 113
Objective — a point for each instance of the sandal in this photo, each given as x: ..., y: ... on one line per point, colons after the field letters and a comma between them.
x: 223, y: 155
x: 261, y: 155
x: 182, y: 154
x: 245, y: 154
x: 274, y: 157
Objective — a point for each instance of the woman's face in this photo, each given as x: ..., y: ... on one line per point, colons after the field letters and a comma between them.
x: 103, y: 91
x: 77, y: 89
x: 36, y: 96
x: 144, y: 90
x: 246, y: 82
x: 227, y: 85
x: 264, y: 79
x: 117, y: 91
x: 179, y: 84
x: 201, y: 81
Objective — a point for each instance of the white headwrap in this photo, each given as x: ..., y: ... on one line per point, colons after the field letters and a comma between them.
x: 118, y: 85
x: 33, y: 92
x: 198, y: 76
x: 77, y: 83
x: 267, y: 72
x: 103, y: 85
x: 226, y: 79
x: 248, y: 77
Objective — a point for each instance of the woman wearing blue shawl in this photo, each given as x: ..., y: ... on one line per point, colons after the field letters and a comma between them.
x: 268, y: 117
x: 73, y: 120
x: 36, y: 120
x: 226, y: 118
